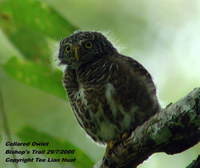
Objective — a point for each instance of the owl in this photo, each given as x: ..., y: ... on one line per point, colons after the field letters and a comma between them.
x: 110, y: 94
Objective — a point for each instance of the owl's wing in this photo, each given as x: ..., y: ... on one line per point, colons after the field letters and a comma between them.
x: 69, y: 82
x: 134, y: 85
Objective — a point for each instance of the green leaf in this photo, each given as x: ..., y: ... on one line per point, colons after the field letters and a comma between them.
x: 29, y: 134
x: 39, y: 76
x: 28, y: 23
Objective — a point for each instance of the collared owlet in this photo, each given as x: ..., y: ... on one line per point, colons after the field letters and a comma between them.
x: 110, y: 94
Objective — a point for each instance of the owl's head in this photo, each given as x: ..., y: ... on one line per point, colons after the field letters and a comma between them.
x: 83, y: 47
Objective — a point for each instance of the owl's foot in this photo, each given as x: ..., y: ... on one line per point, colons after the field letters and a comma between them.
x: 124, y: 136
x: 109, y: 148
x: 113, y: 143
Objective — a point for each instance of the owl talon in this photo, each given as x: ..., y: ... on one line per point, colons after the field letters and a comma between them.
x: 125, y: 136
x: 122, y: 137
x: 109, y: 148
x: 113, y: 143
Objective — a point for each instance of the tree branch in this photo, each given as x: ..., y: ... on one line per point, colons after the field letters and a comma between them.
x: 195, y: 163
x: 173, y: 130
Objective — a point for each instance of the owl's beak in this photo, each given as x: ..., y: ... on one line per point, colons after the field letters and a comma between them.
x: 76, y: 50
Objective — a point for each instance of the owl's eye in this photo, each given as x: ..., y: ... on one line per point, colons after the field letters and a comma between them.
x: 67, y: 49
x: 88, y: 44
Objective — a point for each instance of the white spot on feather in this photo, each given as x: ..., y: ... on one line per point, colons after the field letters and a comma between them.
x: 110, y: 90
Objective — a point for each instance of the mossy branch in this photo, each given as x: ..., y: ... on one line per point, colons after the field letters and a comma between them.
x: 173, y: 130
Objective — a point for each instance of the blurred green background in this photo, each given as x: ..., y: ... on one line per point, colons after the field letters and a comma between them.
x: 162, y: 35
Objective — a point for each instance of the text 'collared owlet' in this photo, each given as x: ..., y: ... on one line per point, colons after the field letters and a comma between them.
x: 109, y: 93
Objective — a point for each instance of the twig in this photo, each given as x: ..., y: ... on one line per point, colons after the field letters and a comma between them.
x: 5, y: 124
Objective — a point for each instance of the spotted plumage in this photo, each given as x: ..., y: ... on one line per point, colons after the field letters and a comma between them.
x: 109, y: 93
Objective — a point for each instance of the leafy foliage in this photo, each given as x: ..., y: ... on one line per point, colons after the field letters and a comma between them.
x: 37, y: 75
x: 28, y: 23
x: 28, y: 134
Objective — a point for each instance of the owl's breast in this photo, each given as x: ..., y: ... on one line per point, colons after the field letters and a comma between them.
x: 88, y: 105
x: 98, y: 112
x: 97, y: 105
